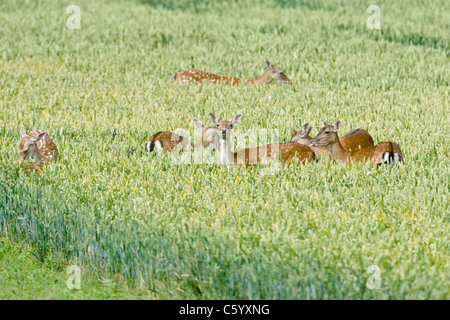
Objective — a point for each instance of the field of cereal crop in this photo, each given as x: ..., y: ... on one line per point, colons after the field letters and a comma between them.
x: 198, y: 230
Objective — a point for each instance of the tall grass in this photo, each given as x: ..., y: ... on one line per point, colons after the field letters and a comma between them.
x: 200, y: 230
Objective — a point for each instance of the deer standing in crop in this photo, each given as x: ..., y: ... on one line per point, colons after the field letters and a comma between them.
x: 287, y: 152
x: 274, y: 73
x: 36, y: 144
x: 355, y: 139
x: 168, y: 141
x: 384, y: 152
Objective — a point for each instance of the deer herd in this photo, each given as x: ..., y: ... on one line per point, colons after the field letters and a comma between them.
x: 357, y: 145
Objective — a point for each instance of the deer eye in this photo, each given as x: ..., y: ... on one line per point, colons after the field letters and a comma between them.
x: 327, y: 132
x: 231, y: 126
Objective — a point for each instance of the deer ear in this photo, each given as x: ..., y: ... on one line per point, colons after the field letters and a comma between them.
x: 337, y: 126
x: 198, y: 125
x: 323, y: 123
x: 293, y: 133
x: 269, y: 65
x: 306, y: 130
x: 39, y: 137
x: 213, y: 118
x: 23, y: 132
x: 236, y: 119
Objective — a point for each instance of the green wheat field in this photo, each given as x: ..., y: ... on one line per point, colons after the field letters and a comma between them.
x: 152, y: 227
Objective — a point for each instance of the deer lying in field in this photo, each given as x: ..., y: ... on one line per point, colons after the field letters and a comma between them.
x: 36, y: 144
x: 168, y: 141
x: 384, y: 152
x: 274, y: 73
x: 355, y: 139
x: 286, y: 152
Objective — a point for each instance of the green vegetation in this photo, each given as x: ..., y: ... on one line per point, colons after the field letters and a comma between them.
x: 22, y: 277
x: 200, y: 231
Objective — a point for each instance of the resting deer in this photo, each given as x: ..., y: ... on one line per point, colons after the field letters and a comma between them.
x: 384, y: 152
x: 274, y: 73
x: 36, y: 144
x: 281, y: 152
x: 168, y: 141
x: 355, y: 139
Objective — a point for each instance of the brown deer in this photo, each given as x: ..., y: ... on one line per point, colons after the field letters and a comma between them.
x: 36, y: 144
x: 168, y: 141
x: 355, y: 139
x: 384, y: 152
x: 287, y: 152
x: 274, y: 73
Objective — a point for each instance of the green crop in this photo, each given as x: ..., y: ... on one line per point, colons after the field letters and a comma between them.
x: 200, y: 231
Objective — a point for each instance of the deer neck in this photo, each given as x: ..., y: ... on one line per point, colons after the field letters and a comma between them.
x: 260, y: 80
x: 307, y: 140
x: 338, y: 152
x: 226, y: 156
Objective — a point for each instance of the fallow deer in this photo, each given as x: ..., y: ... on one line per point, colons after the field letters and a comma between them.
x: 168, y: 141
x: 286, y: 152
x: 36, y: 144
x: 355, y: 139
x: 384, y: 152
x: 274, y: 73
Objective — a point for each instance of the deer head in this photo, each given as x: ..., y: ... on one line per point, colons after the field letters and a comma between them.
x: 274, y: 73
x: 327, y: 135
x: 302, y: 136
x: 27, y: 148
x: 224, y: 127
